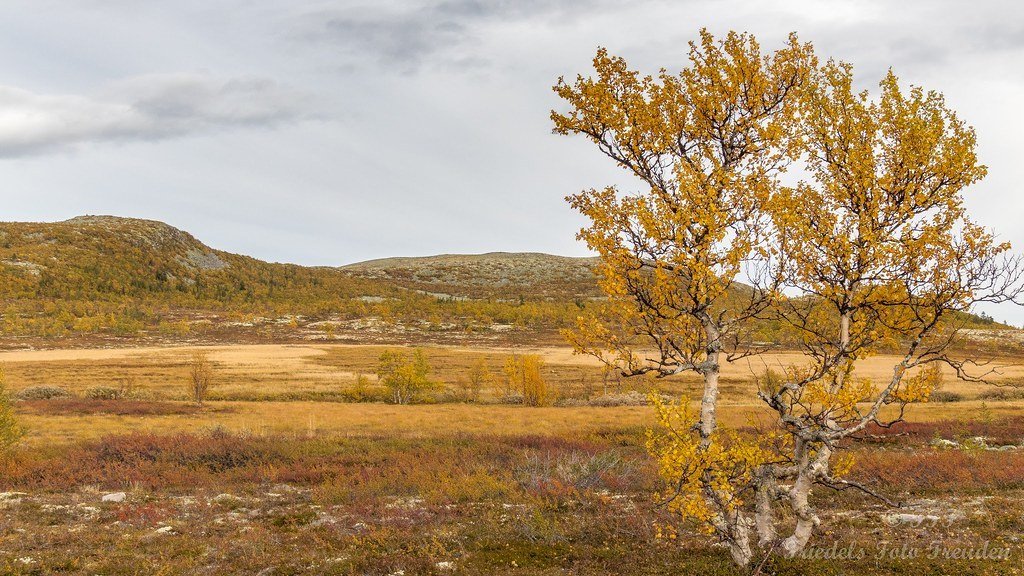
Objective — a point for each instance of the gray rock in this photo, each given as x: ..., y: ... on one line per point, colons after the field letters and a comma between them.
x: 977, y: 442
x: 114, y: 497
x: 226, y: 499
x: 910, y: 519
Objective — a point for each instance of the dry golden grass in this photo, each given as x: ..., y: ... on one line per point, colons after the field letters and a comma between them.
x: 309, y: 418
x: 244, y: 371
x: 272, y: 368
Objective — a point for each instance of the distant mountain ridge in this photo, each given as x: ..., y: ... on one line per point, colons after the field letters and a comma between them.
x: 492, y: 274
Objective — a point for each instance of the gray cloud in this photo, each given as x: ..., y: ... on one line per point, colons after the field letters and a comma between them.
x: 403, y: 41
x: 440, y: 139
x: 144, y: 108
x: 406, y: 37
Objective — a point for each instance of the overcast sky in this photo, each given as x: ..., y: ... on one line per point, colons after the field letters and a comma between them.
x: 333, y: 131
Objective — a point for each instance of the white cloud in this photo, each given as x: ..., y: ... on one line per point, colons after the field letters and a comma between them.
x: 144, y: 108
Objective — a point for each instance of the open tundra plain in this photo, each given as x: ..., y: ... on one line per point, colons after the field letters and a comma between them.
x: 295, y: 465
x: 300, y: 461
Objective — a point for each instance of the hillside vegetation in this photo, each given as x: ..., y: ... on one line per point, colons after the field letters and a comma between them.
x: 121, y: 277
x: 101, y: 279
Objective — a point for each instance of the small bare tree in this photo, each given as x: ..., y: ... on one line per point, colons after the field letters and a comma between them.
x: 200, y: 376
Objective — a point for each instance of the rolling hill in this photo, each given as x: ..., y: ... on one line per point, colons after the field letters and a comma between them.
x: 113, y: 277
x: 101, y: 279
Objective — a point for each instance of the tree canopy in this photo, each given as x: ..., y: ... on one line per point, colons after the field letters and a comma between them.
x: 872, y: 249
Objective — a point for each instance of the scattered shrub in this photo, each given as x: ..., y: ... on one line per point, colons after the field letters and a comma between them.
x: 200, y: 374
x: 42, y: 393
x: 631, y: 398
x: 407, y: 378
x: 362, y: 390
x: 575, y: 470
x: 120, y: 407
x: 473, y: 384
x: 523, y: 376
x: 1002, y: 394
x: 1006, y: 430
x: 513, y: 398
x: 103, y: 393
x: 945, y: 396
x: 940, y: 470
x: 10, y: 431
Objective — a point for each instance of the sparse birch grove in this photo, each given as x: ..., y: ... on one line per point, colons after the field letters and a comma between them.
x: 872, y: 249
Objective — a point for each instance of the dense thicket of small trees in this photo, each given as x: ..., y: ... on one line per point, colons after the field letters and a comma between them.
x: 871, y: 251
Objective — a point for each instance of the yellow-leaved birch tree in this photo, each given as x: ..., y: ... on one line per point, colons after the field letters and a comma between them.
x: 880, y: 253
x: 707, y: 145
x: 872, y: 251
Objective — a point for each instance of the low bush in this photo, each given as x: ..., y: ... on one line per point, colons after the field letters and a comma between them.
x: 344, y: 395
x: 1002, y: 394
x: 511, y: 399
x: 363, y: 390
x: 998, y: 431
x: 103, y: 393
x: 631, y: 398
x: 575, y: 470
x: 42, y: 393
x: 945, y: 396
x: 940, y: 471
x: 339, y: 470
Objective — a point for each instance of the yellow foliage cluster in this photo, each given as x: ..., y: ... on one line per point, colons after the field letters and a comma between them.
x: 406, y: 376
x: 523, y: 376
x: 690, y: 467
x: 708, y: 144
x: 918, y: 387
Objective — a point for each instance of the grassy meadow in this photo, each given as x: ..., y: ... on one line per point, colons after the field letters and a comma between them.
x: 281, y: 472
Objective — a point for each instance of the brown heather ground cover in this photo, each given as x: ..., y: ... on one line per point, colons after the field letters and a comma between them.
x: 215, y: 502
